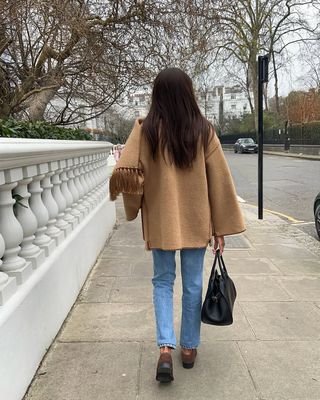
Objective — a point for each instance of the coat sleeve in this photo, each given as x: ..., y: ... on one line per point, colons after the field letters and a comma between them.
x: 132, y: 204
x: 226, y: 215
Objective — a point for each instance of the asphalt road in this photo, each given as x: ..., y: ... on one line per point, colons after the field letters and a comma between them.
x: 290, y: 185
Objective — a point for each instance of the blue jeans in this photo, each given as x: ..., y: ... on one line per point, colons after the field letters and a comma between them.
x: 164, y: 267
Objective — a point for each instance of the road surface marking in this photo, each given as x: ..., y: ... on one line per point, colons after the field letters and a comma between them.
x: 241, y: 200
x: 305, y: 223
x: 288, y: 217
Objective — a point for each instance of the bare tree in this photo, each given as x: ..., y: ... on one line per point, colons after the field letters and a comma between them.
x: 249, y: 27
x: 311, y: 59
x: 71, y: 60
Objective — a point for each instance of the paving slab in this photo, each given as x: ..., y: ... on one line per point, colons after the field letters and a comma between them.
x: 301, y: 267
x: 125, y: 252
x: 220, y: 373
x: 270, y: 239
x: 251, y: 266
x: 131, y: 290
x: 107, y: 348
x: 259, y: 288
x: 284, y: 370
x: 303, y: 288
x: 112, y: 267
x: 97, y: 289
x: 144, y: 268
x: 239, y: 330
x: 85, y: 371
x: 109, y: 322
x: 283, y: 320
x: 284, y: 251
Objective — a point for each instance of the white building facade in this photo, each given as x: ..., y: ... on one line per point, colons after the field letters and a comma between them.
x: 217, y: 103
x: 224, y: 102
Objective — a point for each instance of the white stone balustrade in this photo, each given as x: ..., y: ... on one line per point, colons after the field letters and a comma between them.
x: 55, y: 216
x: 58, y: 183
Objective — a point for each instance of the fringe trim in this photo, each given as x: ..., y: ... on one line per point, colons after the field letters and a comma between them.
x: 126, y: 180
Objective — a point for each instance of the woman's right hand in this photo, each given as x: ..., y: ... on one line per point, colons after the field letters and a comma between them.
x: 218, y: 242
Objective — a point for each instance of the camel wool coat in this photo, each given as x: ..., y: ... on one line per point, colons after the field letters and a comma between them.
x: 183, y: 208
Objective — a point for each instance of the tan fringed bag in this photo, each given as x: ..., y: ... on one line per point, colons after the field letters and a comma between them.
x: 127, y: 175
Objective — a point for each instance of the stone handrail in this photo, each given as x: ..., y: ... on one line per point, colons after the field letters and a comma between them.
x: 47, y: 187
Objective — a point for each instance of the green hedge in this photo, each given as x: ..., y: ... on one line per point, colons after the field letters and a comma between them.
x: 231, y: 138
x: 40, y: 130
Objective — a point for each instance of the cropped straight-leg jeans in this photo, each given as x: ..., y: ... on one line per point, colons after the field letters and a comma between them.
x: 164, y: 267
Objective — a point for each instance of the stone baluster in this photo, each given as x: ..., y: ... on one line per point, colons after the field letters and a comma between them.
x: 63, y: 222
x: 40, y: 211
x: 78, y: 185
x: 105, y: 172
x: 96, y: 177
x: 84, y: 184
x: 73, y: 190
x: 28, y: 220
x: 94, y: 194
x: 8, y: 285
x: 53, y: 210
x: 89, y: 181
x: 11, y: 230
x: 72, y: 214
x: 101, y: 177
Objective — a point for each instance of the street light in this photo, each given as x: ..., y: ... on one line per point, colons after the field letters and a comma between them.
x: 263, y: 62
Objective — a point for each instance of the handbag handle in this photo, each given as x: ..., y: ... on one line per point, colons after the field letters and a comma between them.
x: 222, y: 267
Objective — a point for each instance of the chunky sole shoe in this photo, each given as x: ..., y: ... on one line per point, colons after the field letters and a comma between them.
x: 188, y: 359
x: 165, y: 368
x: 164, y: 374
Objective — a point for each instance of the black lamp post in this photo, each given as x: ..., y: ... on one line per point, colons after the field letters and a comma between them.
x: 263, y: 62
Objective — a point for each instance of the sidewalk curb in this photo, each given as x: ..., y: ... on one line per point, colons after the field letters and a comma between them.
x: 282, y: 225
x: 302, y: 156
x: 283, y: 154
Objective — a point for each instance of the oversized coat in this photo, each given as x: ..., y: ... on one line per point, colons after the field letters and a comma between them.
x: 180, y: 208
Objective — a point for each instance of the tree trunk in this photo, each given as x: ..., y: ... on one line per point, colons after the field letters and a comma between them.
x: 276, y: 86
x: 248, y: 87
x: 254, y: 82
x: 39, y: 103
x: 265, y: 96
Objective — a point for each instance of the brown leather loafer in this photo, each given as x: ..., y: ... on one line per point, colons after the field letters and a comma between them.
x: 188, y: 359
x: 165, y: 368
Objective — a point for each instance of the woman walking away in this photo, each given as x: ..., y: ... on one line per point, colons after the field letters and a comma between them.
x: 174, y: 169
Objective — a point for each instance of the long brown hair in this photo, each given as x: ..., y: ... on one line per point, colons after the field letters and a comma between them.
x: 174, y: 119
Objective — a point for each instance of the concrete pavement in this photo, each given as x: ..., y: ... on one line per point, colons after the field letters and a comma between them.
x: 106, y: 348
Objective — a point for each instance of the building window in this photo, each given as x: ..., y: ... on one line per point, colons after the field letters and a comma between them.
x: 233, y: 106
x: 233, y: 96
x: 136, y: 102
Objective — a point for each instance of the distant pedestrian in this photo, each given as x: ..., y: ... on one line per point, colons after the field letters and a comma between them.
x: 117, y: 152
x: 173, y: 168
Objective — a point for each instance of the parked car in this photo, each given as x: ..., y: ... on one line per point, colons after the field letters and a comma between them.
x: 316, y: 210
x: 245, y: 145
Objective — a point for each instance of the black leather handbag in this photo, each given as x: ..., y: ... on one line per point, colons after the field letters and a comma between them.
x: 221, y: 294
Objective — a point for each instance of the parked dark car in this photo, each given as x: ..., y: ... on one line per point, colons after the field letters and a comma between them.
x: 316, y: 210
x: 245, y: 145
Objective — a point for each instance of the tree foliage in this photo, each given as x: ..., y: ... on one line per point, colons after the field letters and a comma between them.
x: 70, y: 60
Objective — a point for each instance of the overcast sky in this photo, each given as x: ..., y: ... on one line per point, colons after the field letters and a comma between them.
x: 293, y: 77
